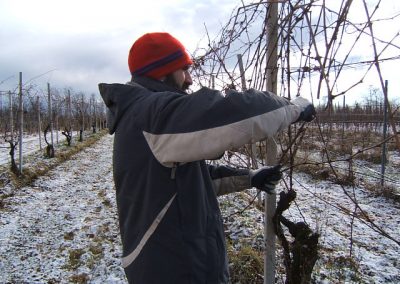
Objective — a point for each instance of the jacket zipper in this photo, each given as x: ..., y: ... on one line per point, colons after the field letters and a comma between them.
x: 173, y: 170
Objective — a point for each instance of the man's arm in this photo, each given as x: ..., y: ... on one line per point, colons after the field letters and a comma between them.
x: 201, y: 126
x: 227, y: 179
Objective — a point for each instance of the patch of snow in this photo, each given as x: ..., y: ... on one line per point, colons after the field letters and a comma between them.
x: 70, y: 211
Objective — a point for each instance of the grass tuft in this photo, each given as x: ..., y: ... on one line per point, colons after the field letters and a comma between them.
x: 246, y: 265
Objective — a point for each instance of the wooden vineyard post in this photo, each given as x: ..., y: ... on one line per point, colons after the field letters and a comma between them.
x: 50, y: 112
x: 39, y: 122
x: 69, y: 113
x: 10, y: 100
x: 271, y: 147
x: 383, y: 162
x: 21, y: 122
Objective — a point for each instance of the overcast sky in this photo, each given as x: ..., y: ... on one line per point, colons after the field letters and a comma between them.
x: 81, y: 43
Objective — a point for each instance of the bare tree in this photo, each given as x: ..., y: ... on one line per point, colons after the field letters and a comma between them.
x: 9, y: 135
x: 49, y: 147
x: 319, y: 46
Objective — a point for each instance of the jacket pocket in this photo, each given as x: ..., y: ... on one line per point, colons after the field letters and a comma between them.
x: 216, y: 255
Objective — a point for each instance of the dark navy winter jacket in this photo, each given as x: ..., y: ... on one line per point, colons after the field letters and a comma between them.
x: 170, y: 222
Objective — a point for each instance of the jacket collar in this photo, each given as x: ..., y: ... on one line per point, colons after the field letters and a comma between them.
x: 155, y: 85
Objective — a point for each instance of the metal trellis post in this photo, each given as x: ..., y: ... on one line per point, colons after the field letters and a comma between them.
x: 21, y: 122
x: 270, y: 200
x: 383, y: 159
x: 50, y: 113
x: 39, y: 123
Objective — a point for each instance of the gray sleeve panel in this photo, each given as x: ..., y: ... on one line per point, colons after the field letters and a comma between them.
x: 209, y: 143
x: 231, y: 184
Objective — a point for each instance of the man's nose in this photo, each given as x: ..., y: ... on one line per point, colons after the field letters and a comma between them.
x: 188, y: 78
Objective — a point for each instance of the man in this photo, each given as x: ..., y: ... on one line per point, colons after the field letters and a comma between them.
x: 170, y: 222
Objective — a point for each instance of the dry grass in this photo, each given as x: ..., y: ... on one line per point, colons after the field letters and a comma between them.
x: 344, y: 267
x: 386, y: 191
x: 246, y: 265
x: 75, y: 258
x: 79, y: 278
x: 373, y: 155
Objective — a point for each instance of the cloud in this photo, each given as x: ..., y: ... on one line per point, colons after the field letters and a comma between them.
x: 87, y: 42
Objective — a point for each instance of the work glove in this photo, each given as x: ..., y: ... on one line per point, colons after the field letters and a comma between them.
x: 308, y: 110
x: 266, y: 178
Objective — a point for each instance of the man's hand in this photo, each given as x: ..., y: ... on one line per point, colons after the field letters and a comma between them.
x: 266, y: 178
x: 308, y: 113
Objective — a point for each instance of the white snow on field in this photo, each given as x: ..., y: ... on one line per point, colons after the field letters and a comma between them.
x: 67, y: 213
x: 326, y: 208
x: 64, y: 227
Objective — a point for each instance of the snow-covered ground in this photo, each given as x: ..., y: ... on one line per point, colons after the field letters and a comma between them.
x: 64, y: 227
x: 352, y: 249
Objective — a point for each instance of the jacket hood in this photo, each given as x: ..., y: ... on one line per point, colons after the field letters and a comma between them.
x: 119, y: 97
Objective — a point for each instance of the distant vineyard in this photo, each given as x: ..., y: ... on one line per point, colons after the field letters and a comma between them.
x: 367, y: 115
x: 68, y: 109
x: 48, y: 114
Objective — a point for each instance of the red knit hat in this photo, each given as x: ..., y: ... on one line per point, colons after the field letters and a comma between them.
x: 157, y: 54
